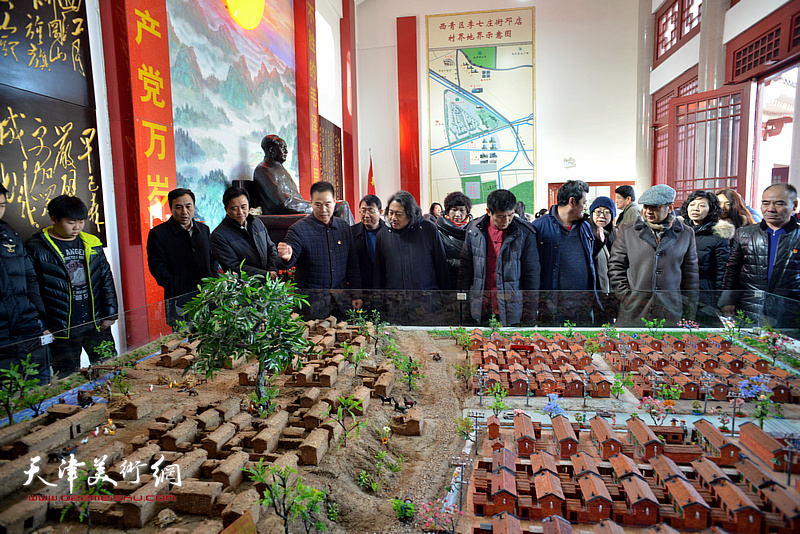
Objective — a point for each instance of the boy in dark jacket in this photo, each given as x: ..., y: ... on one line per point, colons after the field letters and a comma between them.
x: 20, y: 303
x: 76, y: 285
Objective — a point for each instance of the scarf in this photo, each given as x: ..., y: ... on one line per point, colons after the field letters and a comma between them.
x: 659, y: 228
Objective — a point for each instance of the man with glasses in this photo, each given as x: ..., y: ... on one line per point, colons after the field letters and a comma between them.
x: 653, y: 264
x: 364, y: 234
x: 322, y: 248
x: 765, y: 261
x: 500, y: 263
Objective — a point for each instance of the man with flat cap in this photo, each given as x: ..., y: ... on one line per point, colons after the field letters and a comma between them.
x: 653, y: 264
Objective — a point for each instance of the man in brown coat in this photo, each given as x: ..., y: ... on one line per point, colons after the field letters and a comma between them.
x: 653, y: 264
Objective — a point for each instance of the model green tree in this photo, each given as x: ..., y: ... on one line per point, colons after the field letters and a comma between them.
x: 499, y: 395
x: 15, y: 382
x: 287, y: 495
x: 237, y: 314
x: 620, y: 384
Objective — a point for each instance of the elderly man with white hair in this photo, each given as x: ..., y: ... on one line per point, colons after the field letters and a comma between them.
x: 653, y: 264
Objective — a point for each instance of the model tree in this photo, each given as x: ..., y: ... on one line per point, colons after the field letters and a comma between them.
x: 237, y: 314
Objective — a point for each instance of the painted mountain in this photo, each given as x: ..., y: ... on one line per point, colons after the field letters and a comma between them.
x: 230, y: 88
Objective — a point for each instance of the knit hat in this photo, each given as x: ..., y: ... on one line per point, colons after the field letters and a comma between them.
x: 604, y: 202
x: 657, y: 195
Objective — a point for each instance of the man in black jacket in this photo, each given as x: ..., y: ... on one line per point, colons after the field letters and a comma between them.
x: 322, y: 247
x: 20, y: 302
x: 364, y: 234
x: 763, y: 273
x: 179, y: 253
x: 240, y: 236
x: 500, y: 263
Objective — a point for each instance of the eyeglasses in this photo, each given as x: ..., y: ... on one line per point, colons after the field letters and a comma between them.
x: 364, y: 211
x: 604, y: 213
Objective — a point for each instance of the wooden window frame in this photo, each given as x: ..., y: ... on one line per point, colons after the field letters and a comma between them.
x: 785, y: 19
x: 682, y: 38
x: 659, y: 124
x: 742, y: 147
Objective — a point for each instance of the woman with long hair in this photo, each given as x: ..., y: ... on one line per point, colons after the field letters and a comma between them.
x: 733, y: 209
x: 701, y: 212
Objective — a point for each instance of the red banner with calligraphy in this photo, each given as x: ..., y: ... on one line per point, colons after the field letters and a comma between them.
x: 148, y: 44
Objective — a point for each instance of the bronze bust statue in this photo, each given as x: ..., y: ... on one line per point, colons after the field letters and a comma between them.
x: 272, y: 187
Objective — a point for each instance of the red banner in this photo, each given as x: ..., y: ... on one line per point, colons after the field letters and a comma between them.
x: 148, y: 44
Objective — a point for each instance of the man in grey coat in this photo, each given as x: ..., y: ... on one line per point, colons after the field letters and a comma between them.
x: 653, y: 264
x: 500, y: 263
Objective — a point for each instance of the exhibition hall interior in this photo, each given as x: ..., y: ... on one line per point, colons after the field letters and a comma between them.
x: 461, y: 266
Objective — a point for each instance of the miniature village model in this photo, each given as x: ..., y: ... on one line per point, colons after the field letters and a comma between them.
x: 360, y: 420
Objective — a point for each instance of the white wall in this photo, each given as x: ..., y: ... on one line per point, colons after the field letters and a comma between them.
x: 585, y: 98
x: 329, y: 63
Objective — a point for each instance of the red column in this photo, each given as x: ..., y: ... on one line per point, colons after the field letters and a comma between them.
x: 305, y: 48
x: 136, y: 48
x: 347, y: 33
x: 409, y: 104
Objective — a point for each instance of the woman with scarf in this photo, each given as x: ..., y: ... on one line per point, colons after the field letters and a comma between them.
x: 452, y: 227
x: 602, y: 213
x: 653, y: 264
x: 701, y: 213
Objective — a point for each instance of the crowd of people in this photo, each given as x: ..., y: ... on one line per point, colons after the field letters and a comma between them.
x: 617, y: 261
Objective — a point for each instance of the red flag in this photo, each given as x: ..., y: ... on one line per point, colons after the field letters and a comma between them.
x: 370, y: 178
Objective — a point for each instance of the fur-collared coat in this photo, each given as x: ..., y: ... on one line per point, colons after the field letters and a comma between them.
x: 713, y: 248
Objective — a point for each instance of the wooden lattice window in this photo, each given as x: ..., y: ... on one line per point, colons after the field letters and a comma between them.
x: 708, y: 133
x: 676, y: 22
x: 767, y: 47
x: 757, y: 52
x: 684, y: 85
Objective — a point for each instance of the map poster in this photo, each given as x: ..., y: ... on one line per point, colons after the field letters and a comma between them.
x: 480, y: 102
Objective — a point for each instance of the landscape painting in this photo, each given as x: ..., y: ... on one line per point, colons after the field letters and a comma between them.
x: 230, y: 88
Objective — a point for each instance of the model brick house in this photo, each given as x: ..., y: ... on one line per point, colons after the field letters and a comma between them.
x: 524, y: 435
x: 549, y: 494
x: 688, y: 504
x: 504, y: 493
x: 786, y: 502
x: 604, y: 438
x: 595, y: 498
x: 642, y: 505
x: 564, y: 436
x: 708, y: 473
x: 644, y: 441
x: 715, y: 445
x: 743, y: 516
x: 754, y: 476
x: 769, y: 449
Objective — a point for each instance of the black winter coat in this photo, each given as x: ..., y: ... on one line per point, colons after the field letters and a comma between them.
x: 178, y: 261
x: 21, y: 303
x: 747, y: 275
x: 54, y: 283
x: 325, y: 257
x: 365, y: 265
x: 713, y: 248
x: 453, y: 237
x: 411, y: 258
x: 517, y: 270
x: 230, y: 245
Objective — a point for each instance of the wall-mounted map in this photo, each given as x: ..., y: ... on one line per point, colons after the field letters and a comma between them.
x: 480, y: 95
